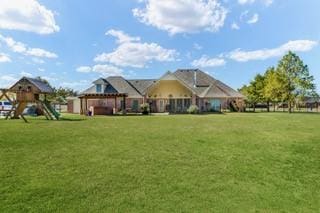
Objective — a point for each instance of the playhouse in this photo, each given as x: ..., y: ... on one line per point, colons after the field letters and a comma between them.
x: 29, y: 91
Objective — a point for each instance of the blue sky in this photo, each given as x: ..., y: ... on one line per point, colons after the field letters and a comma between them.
x: 71, y: 43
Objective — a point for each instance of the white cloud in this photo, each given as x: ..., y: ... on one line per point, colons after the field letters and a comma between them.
x: 249, y: 18
x: 40, y: 53
x: 296, y: 46
x: 131, y: 53
x: 205, y: 61
x: 244, y: 15
x: 246, y: 1
x: 48, y: 78
x: 107, y: 70
x: 254, y: 19
x: 197, y: 46
x: 235, y: 26
x: 27, y: 15
x: 266, y: 2
x: 104, y: 69
x: 7, y: 80
x: 182, y: 16
x: 84, y: 69
x: 13, y: 45
x: 26, y: 74
x: 82, y: 84
x: 121, y: 36
x: 41, y: 69
x: 4, y: 58
x: 22, y: 48
x: 37, y: 60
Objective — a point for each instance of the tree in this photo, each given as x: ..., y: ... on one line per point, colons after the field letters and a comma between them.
x: 64, y: 92
x: 296, y: 79
x: 43, y: 80
x: 256, y: 89
x: 60, y: 93
x: 273, y: 87
x: 254, y: 92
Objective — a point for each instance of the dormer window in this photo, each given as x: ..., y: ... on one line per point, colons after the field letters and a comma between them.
x: 99, y: 88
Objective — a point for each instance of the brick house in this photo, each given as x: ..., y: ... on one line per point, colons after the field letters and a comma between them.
x: 173, y: 92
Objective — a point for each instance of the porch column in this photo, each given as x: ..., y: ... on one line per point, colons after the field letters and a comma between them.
x: 115, y: 105
x: 144, y: 99
x: 194, y: 99
x: 81, y: 106
x: 124, y: 108
x: 86, y: 105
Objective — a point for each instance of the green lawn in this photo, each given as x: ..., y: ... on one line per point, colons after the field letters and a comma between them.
x: 184, y: 163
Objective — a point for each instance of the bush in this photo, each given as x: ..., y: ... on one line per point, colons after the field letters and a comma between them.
x: 193, y: 109
x: 145, y: 108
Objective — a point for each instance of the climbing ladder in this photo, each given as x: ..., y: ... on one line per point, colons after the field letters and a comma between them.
x: 233, y: 106
x: 236, y: 106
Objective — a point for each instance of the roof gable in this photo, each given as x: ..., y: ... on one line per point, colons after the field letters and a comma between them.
x: 194, y: 77
x: 169, y: 76
x: 100, y: 81
x: 122, y: 86
x: 141, y: 85
x: 205, y: 85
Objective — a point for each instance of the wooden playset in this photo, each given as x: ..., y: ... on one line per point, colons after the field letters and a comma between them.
x: 29, y: 91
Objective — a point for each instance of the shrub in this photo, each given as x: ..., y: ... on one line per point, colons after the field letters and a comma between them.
x: 193, y: 109
x: 145, y: 108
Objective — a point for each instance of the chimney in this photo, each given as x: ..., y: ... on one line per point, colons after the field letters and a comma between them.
x: 195, y: 79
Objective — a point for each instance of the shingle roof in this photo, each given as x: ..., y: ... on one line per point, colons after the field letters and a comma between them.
x: 205, y: 85
x: 122, y: 86
x: 202, y: 84
x: 188, y: 76
x: 42, y: 86
x: 142, y: 85
x: 90, y: 90
x: 198, y: 84
x: 231, y: 92
x: 213, y: 92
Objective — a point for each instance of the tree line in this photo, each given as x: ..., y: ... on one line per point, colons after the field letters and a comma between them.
x: 287, y: 83
x: 59, y: 94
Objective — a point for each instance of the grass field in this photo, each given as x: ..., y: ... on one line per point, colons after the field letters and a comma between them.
x: 184, y: 163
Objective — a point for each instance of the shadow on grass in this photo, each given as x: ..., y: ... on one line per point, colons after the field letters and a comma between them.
x: 72, y: 119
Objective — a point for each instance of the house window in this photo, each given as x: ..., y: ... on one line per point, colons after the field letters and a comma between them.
x: 135, y: 105
x: 172, y: 105
x: 99, y: 88
x: 187, y: 103
x: 179, y: 105
x: 122, y: 105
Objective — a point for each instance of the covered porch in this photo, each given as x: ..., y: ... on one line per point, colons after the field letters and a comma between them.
x: 103, y: 104
x: 170, y: 94
x: 172, y: 105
